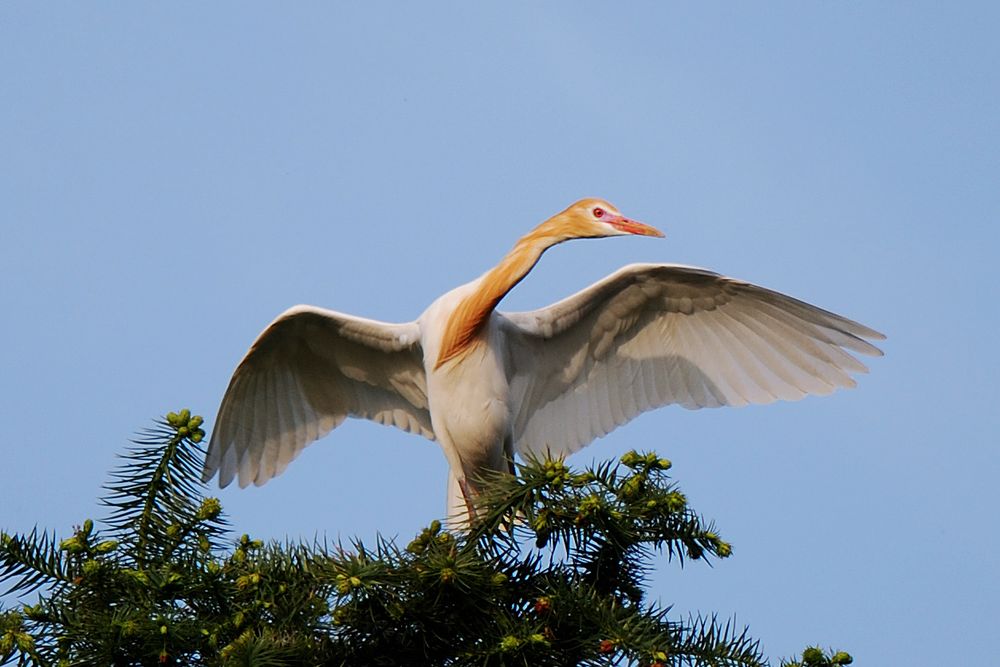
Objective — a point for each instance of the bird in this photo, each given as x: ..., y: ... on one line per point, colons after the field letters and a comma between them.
x: 488, y: 385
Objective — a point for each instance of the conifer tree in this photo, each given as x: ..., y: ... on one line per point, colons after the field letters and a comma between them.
x: 552, y: 572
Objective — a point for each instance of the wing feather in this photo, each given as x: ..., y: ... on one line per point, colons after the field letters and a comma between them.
x: 307, y: 372
x: 655, y: 334
x: 738, y: 393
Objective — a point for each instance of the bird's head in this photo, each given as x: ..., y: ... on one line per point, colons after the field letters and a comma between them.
x: 596, y: 218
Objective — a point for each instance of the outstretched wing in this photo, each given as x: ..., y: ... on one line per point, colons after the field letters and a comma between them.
x: 307, y: 372
x: 654, y: 334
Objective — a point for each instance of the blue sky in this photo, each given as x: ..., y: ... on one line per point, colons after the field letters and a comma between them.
x: 172, y: 176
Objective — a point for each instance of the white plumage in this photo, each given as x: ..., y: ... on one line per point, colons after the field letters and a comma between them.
x: 487, y: 384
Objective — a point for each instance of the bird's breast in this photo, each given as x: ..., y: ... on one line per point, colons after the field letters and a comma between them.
x: 469, y: 401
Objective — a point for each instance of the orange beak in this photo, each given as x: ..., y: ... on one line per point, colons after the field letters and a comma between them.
x: 634, y: 227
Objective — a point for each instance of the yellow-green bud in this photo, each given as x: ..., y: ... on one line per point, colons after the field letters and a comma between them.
x: 173, y: 419
x: 724, y: 549
x: 499, y: 579
x: 630, y: 458
x: 210, y: 508
x: 24, y: 641
x: 34, y: 612
x: 91, y: 567
x: 556, y: 473
x: 184, y: 416
x: 183, y: 431
x: 537, y: 638
x: 590, y: 503
x: 88, y: 526
x: 138, y: 575
x: 842, y: 658
x: 346, y: 584
x: 129, y: 628
x: 71, y: 544
x: 197, y: 436
x: 163, y: 629
x: 676, y: 502
x: 195, y: 422
x: 509, y: 643
x: 632, y: 487
x: 106, y: 546
x: 447, y: 575
x: 812, y: 656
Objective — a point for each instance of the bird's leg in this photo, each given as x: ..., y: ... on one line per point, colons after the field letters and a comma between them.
x: 468, y: 494
x: 508, y: 451
x: 508, y: 454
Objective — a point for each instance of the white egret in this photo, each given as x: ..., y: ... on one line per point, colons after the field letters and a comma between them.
x: 487, y: 385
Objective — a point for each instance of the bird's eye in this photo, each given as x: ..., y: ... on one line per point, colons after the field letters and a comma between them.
x: 598, y: 212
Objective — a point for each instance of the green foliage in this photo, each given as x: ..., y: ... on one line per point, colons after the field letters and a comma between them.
x: 550, y: 573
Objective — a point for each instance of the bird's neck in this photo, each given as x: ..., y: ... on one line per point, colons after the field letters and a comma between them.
x: 472, y: 312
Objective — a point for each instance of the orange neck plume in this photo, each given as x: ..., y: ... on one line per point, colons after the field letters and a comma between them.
x: 470, y: 316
